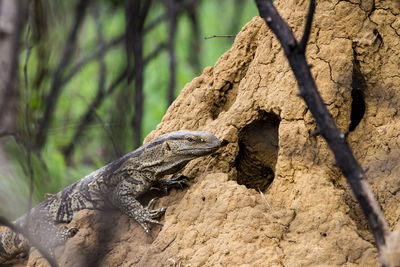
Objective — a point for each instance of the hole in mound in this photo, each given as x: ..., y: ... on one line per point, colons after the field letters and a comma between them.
x: 358, y: 84
x: 258, y: 152
x: 357, y: 109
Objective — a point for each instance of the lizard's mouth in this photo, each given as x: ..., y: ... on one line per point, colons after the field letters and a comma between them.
x: 201, y: 149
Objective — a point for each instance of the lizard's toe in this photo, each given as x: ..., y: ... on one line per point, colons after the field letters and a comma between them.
x: 156, y: 213
x: 151, y: 204
x: 144, y: 223
x: 148, y: 220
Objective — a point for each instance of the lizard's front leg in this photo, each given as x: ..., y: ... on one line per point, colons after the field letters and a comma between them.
x: 124, y: 198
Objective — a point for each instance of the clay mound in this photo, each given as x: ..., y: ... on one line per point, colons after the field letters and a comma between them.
x: 306, y: 215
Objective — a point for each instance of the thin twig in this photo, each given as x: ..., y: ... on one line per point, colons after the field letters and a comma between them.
x: 326, y: 126
x: 265, y: 199
x: 16, y: 229
x: 219, y: 36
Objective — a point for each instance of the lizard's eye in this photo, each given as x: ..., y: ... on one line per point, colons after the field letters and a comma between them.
x: 190, y: 139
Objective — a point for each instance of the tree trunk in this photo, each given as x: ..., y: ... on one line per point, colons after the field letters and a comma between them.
x: 11, y: 23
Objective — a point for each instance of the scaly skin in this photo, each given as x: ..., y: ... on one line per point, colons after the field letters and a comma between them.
x: 115, y: 186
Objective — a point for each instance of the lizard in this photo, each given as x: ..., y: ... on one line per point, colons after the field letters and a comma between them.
x: 115, y: 186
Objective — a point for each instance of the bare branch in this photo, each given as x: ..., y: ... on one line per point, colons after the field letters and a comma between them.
x: 103, y: 47
x: 55, y: 88
x: 136, y: 12
x: 164, y: 16
x: 160, y: 47
x: 32, y: 241
x: 307, y: 28
x: 194, y: 58
x: 87, y: 118
x: 326, y: 126
x: 117, y: 152
x: 171, y: 7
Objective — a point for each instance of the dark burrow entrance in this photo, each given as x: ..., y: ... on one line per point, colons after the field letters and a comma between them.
x: 258, y: 152
x: 358, y: 85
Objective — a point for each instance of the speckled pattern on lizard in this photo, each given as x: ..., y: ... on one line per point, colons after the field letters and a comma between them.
x: 114, y: 186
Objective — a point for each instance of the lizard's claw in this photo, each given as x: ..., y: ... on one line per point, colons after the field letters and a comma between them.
x: 149, y: 216
x: 151, y: 203
x: 154, y: 213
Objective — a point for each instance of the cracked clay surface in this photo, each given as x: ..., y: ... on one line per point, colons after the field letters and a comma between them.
x: 308, y: 216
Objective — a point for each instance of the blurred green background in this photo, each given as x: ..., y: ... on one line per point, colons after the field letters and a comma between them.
x: 111, y: 128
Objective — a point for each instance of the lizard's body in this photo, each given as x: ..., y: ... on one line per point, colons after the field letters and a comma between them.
x: 114, y: 186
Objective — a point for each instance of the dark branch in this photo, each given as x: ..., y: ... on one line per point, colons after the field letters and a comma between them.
x: 160, y: 47
x: 32, y: 241
x: 276, y: 24
x: 55, y: 88
x: 307, y: 28
x: 136, y: 13
x: 326, y: 126
x: 182, y: 7
x: 88, y: 117
x: 172, y: 15
x: 102, y: 79
x: 194, y: 41
x: 103, y: 47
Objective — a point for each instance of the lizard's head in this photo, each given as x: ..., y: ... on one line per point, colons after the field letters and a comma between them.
x: 170, y: 152
x: 189, y: 144
x: 178, y: 148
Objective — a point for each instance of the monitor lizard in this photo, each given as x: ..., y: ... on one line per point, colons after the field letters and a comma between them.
x: 114, y: 186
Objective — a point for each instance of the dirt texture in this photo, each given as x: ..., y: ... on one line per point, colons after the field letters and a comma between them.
x: 306, y: 214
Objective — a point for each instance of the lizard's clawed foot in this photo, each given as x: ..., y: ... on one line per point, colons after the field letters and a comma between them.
x: 176, y: 181
x: 149, y: 215
x: 157, y: 213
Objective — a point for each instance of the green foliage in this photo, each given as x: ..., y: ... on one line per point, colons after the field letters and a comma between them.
x: 114, y: 115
